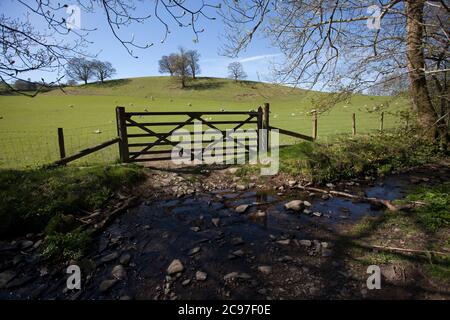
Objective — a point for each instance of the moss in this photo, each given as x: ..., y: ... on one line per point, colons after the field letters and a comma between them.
x: 69, y: 245
x: 33, y: 198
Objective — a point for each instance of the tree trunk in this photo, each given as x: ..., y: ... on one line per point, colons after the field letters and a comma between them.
x: 416, y: 64
x: 85, y: 81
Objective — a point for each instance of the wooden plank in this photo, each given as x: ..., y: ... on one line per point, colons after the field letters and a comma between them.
x: 170, y: 158
x: 122, y: 132
x: 86, y: 151
x: 381, y: 122
x: 170, y: 151
x: 259, y: 127
x: 354, y: 124
x: 62, y: 149
x: 196, y: 113
x: 155, y: 124
x: 293, y: 134
x: 314, y: 128
x: 144, y: 144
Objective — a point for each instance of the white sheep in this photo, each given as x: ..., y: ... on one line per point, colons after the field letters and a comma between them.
x: 98, y: 131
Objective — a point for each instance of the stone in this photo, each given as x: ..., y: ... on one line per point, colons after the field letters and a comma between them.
x: 307, y: 203
x: 194, y: 251
x: 241, y: 187
x: 110, y: 257
x: 230, y: 276
x: 305, y: 243
x: 257, y: 215
x: 232, y: 170
x: 215, y: 221
x: 265, y: 269
x: 295, y: 205
x: 186, y: 282
x: 6, y: 277
x: 37, y: 244
x: 106, y: 285
x: 200, y: 276
x: 241, y: 208
x: 125, y: 259
x: 175, y: 267
x: 325, y: 197
x: 195, y: 229
x: 125, y: 297
x: 237, y: 241
x: 284, y: 242
x: 307, y: 211
x: 330, y: 185
x: 317, y: 214
x: 119, y: 272
x: 26, y: 244
x: 238, y: 253
x: 292, y: 183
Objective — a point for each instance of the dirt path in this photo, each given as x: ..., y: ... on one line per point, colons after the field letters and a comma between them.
x: 189, y: 240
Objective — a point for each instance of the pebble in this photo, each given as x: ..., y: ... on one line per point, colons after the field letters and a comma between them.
x: 119, y: 272
x: 295, y: 205
x: 284, y: 242
x: 195, y: 229
x: 175, y: 267
x: 194, y: 251
x: 125, y: 259
x: 317, y: 214
x: 215, y: 221
x: 265, y: 269
x: 186, y: 282
x: 242, y: 208
x: 237, y: 241
x: 200, y: 276
x: 106, y: 285
x: 305, y: 243
x: 109, y: 257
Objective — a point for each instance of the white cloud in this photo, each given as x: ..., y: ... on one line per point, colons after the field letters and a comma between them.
x: 258, y: 57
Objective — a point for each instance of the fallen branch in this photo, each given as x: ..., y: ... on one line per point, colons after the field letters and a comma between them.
x: 380, y: 202
x: 128, y: 203
x: 386, y: 248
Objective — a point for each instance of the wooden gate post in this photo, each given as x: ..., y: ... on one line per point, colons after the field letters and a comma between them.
x: 62, y: 148
x: 354, y: 124
x: 122, y: 133
x: 381, y: 122
x: 266, y: 125
x: 259, y: 126
x: 314, y: 123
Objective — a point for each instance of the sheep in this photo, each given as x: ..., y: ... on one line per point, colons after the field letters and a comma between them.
x: 98, y: 131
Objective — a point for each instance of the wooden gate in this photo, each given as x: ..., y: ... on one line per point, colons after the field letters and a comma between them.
x: 135, y: 129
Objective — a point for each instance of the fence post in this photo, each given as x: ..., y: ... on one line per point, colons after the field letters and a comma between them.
x: 266, y: 125
x: 122, y: 133
x: 314, y: 128
x: 259, y: 127
x: 62, y: 149
x: 354, y: 124
x: 381, y: 122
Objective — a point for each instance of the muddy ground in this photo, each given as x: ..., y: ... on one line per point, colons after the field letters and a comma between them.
x: 202, y: 233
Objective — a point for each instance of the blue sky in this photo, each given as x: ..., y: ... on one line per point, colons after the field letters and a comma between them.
x: 256, y: 60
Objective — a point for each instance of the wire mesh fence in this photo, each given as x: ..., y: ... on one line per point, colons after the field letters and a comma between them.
x: 33, y: 148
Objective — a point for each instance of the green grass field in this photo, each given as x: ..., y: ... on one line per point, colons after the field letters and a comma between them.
x: 28, y: 126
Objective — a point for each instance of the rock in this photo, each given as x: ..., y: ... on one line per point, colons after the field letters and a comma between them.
x: 125, y: 259
x: 307, y: 211
x: 326, y: 252
x: 37, y: 244
x: 256, y: 215
x: 237, y: 241
x: 106, y: 285
x: 175, y: 267
x: 6, y: 277
x: 195, y: 229
x: 241, y: 187
x: 295, y: 205
x: 194, y: 251
x: 292, y: 183
x: 119, y: 272
x: 125, y: 297
x: 232, y: 170
x: 186, y: 282
x: 305, y: 243
x: 230, y: 276
x: 110, y: 257
x: 265, y: 269
x: 26, y: 244
x: 330, y: 185
x: 307, y: 203
x: 200, y: 276
x: 317, y: 214
x: 215, y: 221
x: 242, y: 208
x: 284, y: 242
x: 325, y: 197
x: 238, y: 253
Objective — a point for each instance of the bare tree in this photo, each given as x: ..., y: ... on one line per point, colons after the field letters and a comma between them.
x: 50, y: 42
x: 194, y: 58
x: 80, y: 69
x: 236, y: 71
x: 103, y: 70
x: 182, y: 66
x: 348, y: 46
x: 166, y: 65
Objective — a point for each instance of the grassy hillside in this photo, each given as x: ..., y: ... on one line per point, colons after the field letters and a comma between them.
x: 28, y: 125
